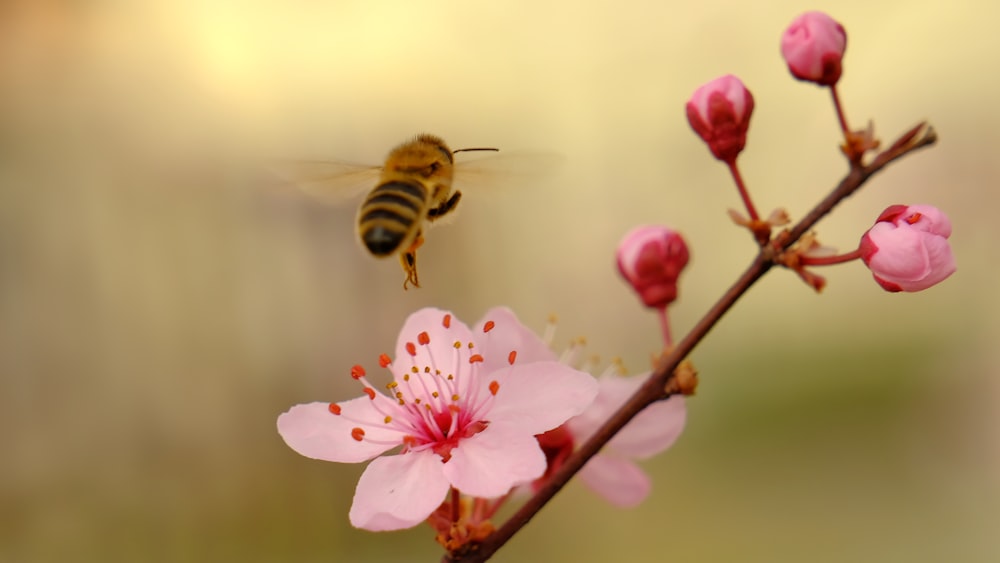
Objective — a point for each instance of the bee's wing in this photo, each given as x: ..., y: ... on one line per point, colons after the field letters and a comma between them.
x: 329, y: 181
x: 504, y: 170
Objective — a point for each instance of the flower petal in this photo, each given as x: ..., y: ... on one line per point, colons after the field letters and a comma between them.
x: 488, y: 464
x: 508, y: 334
x: 438, y: 353
x: 901, y: 256
x: 619, y: 481
x: 653, y: 430
x: 313, y: 431
x: 398, y: 491
x: 539, y: 396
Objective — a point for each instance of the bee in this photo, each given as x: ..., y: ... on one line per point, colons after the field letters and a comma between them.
x: 413, y: 190
x: 415, y: 187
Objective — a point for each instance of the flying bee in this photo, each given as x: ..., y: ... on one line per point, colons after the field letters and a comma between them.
x: 414, y: 187
x: 413, y: 190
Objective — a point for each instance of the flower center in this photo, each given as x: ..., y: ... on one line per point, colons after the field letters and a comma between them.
x: 438, y: 401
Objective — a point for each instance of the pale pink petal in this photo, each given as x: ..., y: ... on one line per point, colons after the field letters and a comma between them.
x: 652, y: 431
x: 539, y: 396
x: 619, y: 481
x: 508, y: 334
x: 932, y: 220
x: 398, y: 491
x: 488, y: 464
x: 901, y: 254
x: 313, y: 431
x: 612, y: 392
x: 440, y: 352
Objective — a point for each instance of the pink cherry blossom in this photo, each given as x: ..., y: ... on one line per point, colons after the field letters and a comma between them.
x: 719, y: 112
x: 907, y: 249
x: 464, y: 407
x: 813, y: 46
x: 650, y: 258
x: 612, y: 473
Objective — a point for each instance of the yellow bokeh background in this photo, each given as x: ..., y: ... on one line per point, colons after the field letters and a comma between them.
x: 162, y: 300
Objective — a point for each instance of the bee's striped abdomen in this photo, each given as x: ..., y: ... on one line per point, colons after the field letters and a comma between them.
x: 390, y: 215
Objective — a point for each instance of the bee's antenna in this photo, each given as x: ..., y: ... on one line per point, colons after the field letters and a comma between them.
x: 477, y: 149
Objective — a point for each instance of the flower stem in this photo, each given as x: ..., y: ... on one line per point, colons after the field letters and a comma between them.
x: 668, y: 340
x: 830, y: 260
x: 653, y: 388
x: 738, y: 178
x: 840, y: 112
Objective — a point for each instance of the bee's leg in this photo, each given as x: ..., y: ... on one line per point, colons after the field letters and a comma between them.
x: 444, y: 208
x: 409, y: 261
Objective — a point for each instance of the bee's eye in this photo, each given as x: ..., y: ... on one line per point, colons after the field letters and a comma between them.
x: 430, y: 170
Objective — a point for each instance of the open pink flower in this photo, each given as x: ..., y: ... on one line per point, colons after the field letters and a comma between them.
x: 463, y: 406
x: 611, y: 473
x: 907, y: 249
x: 813, y: 46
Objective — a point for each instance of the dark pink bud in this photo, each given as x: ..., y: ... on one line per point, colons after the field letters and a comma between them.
x: 719, y: 112
x: 651, y: 258
x: 907, y: 249
x: 813, y: 46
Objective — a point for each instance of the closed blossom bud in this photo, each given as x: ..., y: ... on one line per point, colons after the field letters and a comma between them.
x: 650, y: 258
x: 907, y: 249
x: 813, y: 46
x: 719, y: 112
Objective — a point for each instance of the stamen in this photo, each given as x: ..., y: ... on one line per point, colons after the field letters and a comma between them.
x: 489, y: 326
x: 415, y: 369
x: 511, y: 357
x: 475, y: 358
x: 494, y: 387
x: 550, y: 330
x: 446, y: 321
x: 912, y: 219
x: 358, y: 434
x: 424, y: 338
x: 454, y: 398
x: 387, y: 419
x: 384, y: 361
x: 334, y: 408
x: 457, y: 344
x: 357, y: 372
x: 370, y: 392
x: 391, y: 385
x: 411, y: 349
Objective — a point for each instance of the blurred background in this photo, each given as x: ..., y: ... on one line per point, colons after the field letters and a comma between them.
x: 161, y: 301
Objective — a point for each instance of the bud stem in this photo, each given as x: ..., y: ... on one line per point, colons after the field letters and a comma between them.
x: 840, y: 113
x: 829, y: 260
x: 668, y: 340
x: 735, y: 171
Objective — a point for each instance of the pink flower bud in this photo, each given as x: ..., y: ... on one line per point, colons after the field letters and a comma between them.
x: 813, y: 46
x: 650, y: 258
x: 907, y: 248
x: 719, y: 112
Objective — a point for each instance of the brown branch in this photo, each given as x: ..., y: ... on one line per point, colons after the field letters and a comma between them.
x: 653, y: 389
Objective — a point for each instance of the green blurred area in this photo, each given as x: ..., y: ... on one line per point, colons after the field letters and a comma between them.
x: 161, y: 301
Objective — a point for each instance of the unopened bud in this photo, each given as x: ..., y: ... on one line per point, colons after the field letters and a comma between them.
x: 907, y: 249
x: 813, y: 46
x: 719, y: 112
x: 651, y: 258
